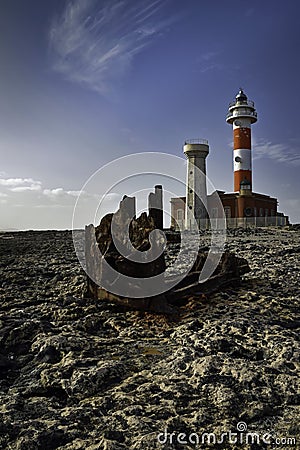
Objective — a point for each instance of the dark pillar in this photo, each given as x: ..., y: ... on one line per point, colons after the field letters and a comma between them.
x: 155, y: 206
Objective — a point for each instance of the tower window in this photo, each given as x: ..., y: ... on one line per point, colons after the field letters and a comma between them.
x: 179, y: 214
x: 245, y: 185
x: 214, y: 213
x: 227, y: 211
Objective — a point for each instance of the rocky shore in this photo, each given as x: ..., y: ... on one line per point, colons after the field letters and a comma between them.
x: 78, y: 374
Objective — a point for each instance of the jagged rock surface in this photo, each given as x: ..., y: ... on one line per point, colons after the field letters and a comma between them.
x: 77, y: 374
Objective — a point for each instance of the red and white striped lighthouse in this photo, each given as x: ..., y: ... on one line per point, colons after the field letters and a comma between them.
x: 241, y: 114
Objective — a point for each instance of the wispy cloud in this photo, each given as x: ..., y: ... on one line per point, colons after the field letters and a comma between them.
x: 208, y: 61
x: 60, y: 192
x: 27, y: 203
x: 18, y: 182
x: 32, y: 187
x: 94, y: 44
x: 283, y: 153
x: 22, y: 185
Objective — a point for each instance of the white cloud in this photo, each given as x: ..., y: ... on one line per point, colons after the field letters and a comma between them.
x: 60, y: 192
x: 32, y: 187
x: 95, y: 44
x: 27, y: 203
x: 53, y: 192
x: 279, y: 152
x: 8, y: 182
x: 52, y: 205
x: 19, y: 185
x: 75, y: 193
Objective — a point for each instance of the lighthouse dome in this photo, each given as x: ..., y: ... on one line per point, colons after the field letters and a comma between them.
x: 241, y: 96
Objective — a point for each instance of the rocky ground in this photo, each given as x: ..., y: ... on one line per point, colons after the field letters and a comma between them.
x: 77, y: 374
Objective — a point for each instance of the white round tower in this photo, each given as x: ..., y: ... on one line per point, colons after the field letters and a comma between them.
x: 241, y: 114
x: 196, y: 151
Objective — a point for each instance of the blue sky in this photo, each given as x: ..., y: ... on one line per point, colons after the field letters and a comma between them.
x: 86, y: 81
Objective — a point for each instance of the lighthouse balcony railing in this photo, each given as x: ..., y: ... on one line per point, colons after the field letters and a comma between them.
x: 235, y: 103
x: 196, y: 141
x: 243, y: 113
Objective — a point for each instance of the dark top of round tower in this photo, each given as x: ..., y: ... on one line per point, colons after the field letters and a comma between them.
x: 241, y: 107
x: 241, y: 96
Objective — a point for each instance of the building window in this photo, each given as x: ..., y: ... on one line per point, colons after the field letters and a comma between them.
x: 272, y: 212
x: 255, y: 212
x: 261, y: 212
x: 266, y: 212
x: 179, y: 214
x: 214, y: 213
x: 227, y: 211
